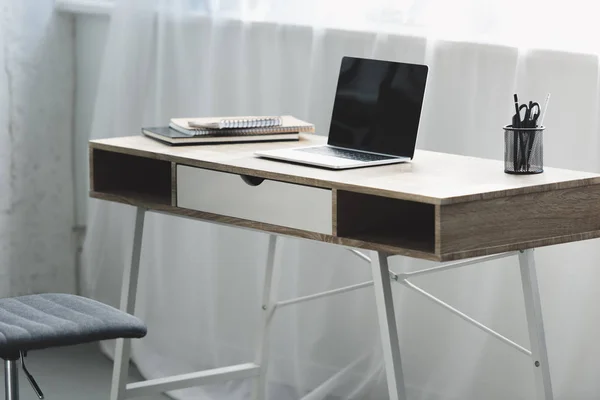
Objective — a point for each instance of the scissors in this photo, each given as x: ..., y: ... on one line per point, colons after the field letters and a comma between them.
x: 523, y: 141
x: 529, y: 120
x: 532, y: 113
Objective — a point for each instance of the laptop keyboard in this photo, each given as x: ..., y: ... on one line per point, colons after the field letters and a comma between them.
x: 342, y: 153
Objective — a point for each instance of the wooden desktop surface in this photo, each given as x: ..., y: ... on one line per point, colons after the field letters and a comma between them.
x: 435, y: 178
x: 469, y: 206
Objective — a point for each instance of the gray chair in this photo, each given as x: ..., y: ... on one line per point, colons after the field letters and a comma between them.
x: 41, y: 321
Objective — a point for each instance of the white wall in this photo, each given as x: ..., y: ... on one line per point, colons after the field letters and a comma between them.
x: 36, y: 178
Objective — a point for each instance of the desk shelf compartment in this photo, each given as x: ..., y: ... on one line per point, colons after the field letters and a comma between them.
x: 387, y: 221
x: 130, y: 179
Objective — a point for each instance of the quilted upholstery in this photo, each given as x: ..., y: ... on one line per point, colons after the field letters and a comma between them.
x: 47, y: 320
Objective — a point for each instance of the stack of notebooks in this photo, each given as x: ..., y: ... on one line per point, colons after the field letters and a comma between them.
x: 229, y: 129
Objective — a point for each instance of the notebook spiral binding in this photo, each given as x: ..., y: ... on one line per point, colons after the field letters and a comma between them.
x: 249, y: 123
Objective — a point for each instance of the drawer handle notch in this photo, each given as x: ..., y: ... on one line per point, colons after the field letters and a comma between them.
x: 252, y: 180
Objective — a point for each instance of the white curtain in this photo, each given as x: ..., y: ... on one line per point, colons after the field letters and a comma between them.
x: 200, y: 284
x: 37, y: 249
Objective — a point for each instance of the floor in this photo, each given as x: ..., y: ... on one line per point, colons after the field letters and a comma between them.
x: 83, y: 372
x: 78, y: 372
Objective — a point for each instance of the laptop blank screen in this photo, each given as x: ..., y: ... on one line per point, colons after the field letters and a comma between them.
x: 378, y: 106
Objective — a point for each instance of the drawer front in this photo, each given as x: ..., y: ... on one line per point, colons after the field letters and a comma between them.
x: 272, y: 202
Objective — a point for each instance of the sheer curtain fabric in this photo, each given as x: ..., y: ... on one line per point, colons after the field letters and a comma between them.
x: 200, y: 284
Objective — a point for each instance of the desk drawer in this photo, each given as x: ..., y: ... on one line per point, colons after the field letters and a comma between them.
x: 272, y: 202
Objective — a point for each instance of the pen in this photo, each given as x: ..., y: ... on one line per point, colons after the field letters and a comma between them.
x: 543, y: 113
x: 518, y: 117
x: 516, y: 123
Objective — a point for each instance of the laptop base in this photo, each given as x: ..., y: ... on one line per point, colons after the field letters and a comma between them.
x: 299, y: 157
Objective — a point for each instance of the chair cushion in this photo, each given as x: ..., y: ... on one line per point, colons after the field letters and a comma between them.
x: 47, y: 320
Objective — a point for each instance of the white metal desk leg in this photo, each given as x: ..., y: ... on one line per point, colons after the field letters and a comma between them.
x: 267, y: 306
x: 387, y: 325
x: 128, y: 292
x: 533, y: 310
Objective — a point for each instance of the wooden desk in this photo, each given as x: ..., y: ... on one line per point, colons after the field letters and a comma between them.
x: 439, y: 207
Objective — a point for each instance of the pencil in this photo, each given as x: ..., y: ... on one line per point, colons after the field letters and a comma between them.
x: 543, y: 113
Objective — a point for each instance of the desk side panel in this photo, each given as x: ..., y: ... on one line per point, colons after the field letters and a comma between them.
x: 519, y: 222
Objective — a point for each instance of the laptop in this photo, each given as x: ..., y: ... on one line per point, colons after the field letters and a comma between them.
x: 375, y: 117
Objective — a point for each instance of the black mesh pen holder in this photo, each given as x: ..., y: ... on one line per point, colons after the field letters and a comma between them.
x: 523, y: 150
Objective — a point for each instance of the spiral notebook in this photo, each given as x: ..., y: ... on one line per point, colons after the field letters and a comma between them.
x: 286, y: 124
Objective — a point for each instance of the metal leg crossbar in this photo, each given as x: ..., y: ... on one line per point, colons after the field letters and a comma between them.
x: 402, y: 278
x: 382, y: 279
x: 532, y: 307
x: 464, y: 316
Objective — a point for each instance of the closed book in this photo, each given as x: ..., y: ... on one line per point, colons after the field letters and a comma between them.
x: 288, y: 124
x: 174, y: 137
